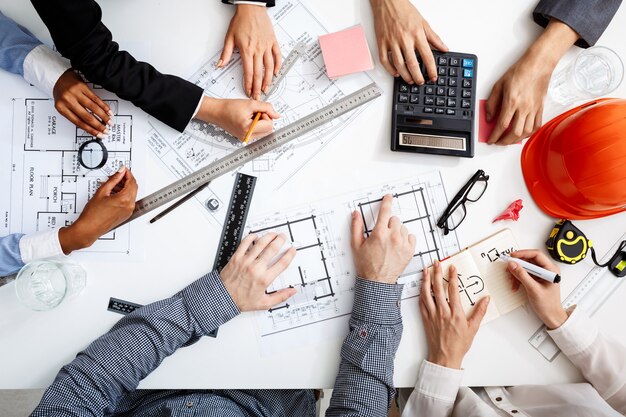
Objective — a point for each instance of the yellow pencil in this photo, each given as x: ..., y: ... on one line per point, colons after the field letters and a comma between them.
x: 254, y: 122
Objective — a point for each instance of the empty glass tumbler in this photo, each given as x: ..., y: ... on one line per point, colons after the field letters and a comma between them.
x: 43, y: 285
x: 595, y: 72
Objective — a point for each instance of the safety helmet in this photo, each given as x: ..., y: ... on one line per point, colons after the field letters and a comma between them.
x: 575, y: 165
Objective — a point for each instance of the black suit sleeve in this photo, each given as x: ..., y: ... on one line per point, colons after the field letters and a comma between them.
x: 78, y: 32
x: 269, y: 3
x: 589, y: 18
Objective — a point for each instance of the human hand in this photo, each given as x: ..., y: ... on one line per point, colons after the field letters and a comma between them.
x: 400, y: 30
x: 236, y: 116
x: 251, y: 270
x: 251, y: 32
x: 112, y: 204
x: 544, y: 297
x: 387, y: 251
x: 78, y: 104
x: 449, y: 332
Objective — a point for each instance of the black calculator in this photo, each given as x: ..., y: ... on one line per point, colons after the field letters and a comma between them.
x: 437, y: 117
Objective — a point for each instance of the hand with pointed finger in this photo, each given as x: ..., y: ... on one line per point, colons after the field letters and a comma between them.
x: 449, y: 332
x: 253, y: 268
x: 112, y: 204
x: 400, y: 30
x: 236, y: 116
x: 251, y: 32
x: 81, y: 106
x: 544, y: 297
x: 387, y: 251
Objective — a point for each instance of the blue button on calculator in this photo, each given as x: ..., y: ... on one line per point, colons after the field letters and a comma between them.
x: 468, y: 73
x: 468, y: 63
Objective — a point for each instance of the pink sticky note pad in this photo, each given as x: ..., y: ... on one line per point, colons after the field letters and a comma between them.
x: 346, y: 52
x: 484, y: 127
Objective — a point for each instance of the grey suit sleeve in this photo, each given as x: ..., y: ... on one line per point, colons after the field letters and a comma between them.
x: 589, y: 18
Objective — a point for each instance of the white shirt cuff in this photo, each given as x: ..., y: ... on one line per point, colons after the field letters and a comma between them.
x: 41, y: 245
x: 439, y: 382
x: 576, y: 334
x: 253, y: 3
x: 43, y: 67
x: 195, y: 113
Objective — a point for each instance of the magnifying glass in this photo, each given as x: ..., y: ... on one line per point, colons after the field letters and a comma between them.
x: 93, y: 154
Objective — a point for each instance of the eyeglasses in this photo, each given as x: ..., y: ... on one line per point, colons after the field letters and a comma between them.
x: 455, y: 213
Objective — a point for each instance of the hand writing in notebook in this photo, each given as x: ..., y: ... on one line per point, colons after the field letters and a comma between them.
x: 449, y: 332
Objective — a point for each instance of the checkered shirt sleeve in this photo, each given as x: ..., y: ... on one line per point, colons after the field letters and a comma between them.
x: 364, y: 385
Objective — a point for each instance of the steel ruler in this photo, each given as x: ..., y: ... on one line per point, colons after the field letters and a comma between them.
x: 255, y: 149
x: 590, y: 294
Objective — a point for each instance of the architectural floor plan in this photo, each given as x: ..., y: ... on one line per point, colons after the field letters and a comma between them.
x: 48, y: 186
x: 323, y: 271
x: 305, y: 89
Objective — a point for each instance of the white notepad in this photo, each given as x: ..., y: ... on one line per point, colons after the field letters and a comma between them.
x: 481, y: 274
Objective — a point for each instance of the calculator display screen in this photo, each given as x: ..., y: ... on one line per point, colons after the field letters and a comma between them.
x: 432, y: 141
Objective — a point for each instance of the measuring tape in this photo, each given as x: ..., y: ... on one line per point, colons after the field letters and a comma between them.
x: 235, y: 219
x: 589, y: 295
x: 255, y: 149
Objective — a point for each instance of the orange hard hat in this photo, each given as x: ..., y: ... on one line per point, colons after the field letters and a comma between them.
x: 575, y: 165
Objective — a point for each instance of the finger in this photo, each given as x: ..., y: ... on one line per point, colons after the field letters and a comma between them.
x: 504, y: 120
x: 260, y: 244
x: 248, y: 72
x: 398, y: 61
x: 523, y: 277
x: 130, y: 187
x: 95, y: 109
x: 383, y: 56
x: 516, y: 132
x: 99, y: 102
x: 453, y: 291
x: 272, y: 249
x: 412, y: 242
x: 358, y: 230
x: 262, y: 129
x: 536, y: 257
x: 282, y: 264
x: 69, y: 115
x: 427, y: 56
x: 395, y: 224
x: 439, y: 290
x: 268, y: 63
x: 227, y: 52
x: 435, y: 40
x: 424, y: 311
x: 538, y: 120
x: 404, y: 232
x: 411, y: 63
x: 257, y: 78
x: 529, y: 125
x: 87, y: 117
x: 278, y: 58
x: 384, y: 213
x: 265, y: 107
x: 280, y: 296
x: 245, y: 244
x: 493, y: 102
x: 479, y: 313
x: 113, y: 180
x: 426, y: 292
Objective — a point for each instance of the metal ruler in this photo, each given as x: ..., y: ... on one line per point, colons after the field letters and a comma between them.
x: 126, y: 307
x: 235, y: 219
x: 590, y: 294
x: 289, y: 62
x: 255, y: 149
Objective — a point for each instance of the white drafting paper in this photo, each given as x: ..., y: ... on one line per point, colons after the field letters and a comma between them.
x: 43, y: 183
x: 304, y: 90
x: 323, y: 271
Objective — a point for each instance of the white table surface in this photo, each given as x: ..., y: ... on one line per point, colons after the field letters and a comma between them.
x: 181, y: 34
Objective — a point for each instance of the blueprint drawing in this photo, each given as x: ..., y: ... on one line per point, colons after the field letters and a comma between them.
x: 44, y: 181
x: 323, y: 271
x: 304, y: 90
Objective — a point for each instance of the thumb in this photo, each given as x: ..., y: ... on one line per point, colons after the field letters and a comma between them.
x: 357, y: 230
x: 479, y: 312
x: 521, y: 275
x: 266, y: 108
x: 114, y: 180
x: 281, y: 296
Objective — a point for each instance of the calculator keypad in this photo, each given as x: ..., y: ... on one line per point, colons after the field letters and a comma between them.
x: 451, y: 95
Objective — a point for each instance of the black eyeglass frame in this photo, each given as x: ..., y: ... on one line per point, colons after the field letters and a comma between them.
x: 460, y: 199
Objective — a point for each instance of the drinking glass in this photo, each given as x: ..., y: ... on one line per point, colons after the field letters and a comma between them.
x: 43, y: 285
